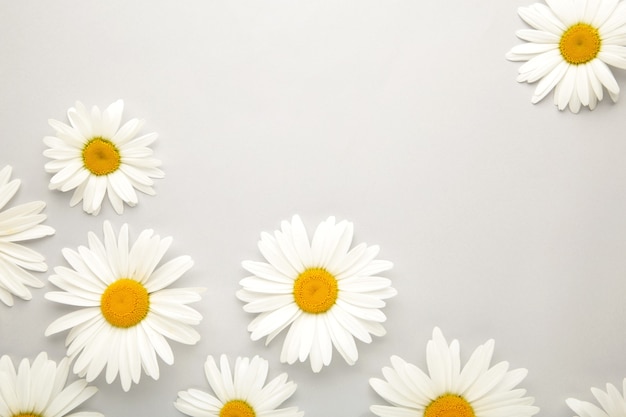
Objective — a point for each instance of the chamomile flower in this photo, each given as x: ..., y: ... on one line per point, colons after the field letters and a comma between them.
x: 241, y: 392
x: 127, y: 310
x: 19, y: 224
x: 570, y: 47
x: 39, y: 390
x: 325, y: 293
x: 476, y: 390
x: 613, y: 403
x: 95, y: 157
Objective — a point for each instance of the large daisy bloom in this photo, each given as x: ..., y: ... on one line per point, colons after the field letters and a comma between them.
x: 94, y: 156
x: 477, y: 390
x: 39, y: 390
x: 241, y: 392
x: 18, y: 224
x: 569, y: 49
x: 612, y: 402
x: 127, y: 310
x: 325, y: 292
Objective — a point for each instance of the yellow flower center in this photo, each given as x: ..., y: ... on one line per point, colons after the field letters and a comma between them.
x: 125, y: 303
x: 315, y: 290
x: 237, y: 408
x: 449, y: 405
x: 580, y: 44
x: 101, y: 156
x: 26, y: 415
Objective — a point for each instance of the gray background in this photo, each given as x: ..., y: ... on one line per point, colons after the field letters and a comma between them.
x: 504, y: 220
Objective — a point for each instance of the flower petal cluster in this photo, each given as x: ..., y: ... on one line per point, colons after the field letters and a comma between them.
x: 39, y: 389
x: 240, y: 392
x: 475, y: 390
x: 95, y: 156
x: 18, y: 224
x: 613, y: 403
x: 325, y: 293
x: 570, y: 48
x: 126, y: 308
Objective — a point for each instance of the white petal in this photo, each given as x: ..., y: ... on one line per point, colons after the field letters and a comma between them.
x: 342, y: 340
x: 549, y: 82
x: 613, y: 55
x: 540, y: 17
x: 71, y: 319
x: 111, y: 118
x: 169, y: 273
x: 266, y: 323
x: 565, y: 11
x: 604, y: 75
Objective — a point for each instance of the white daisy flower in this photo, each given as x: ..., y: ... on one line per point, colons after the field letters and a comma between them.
x: 127, y: 310
x: 94, y: 156
x: 39, y: 390
x: 569, y: 49
x: 325, y: 292
x: 477, y: 390
x: 612, y: 401
x: 18, y: 224
x: 240, y: 393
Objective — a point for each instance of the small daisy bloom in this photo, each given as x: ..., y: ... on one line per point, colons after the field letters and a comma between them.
x: 127, y: 310
x: 239, y: 393
x: 325, y: 292
x: 612, y: 402
x: 569, y: 48
x: 18, y: 224
x: 94, y: 156
x: 477, y: 390
x: 39, y: 390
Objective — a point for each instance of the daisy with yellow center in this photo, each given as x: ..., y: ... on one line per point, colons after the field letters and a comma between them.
x: 38, y: 389
x: 95, y: 157
x: 127, y: 311
x: 325, y: 293
x: 569, y: 49
x: 476, y: 390
x: 613, y: 403
x: 241, y: 392
x: 18, y: 224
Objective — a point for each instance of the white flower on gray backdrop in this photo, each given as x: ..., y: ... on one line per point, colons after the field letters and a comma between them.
x: 95, y: 157
x: 127, y: 310
x: 325, y: 293
x: 569, y: 48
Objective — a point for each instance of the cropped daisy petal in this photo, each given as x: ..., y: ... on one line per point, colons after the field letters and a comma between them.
x: 39, y: 389
x: 571, y: 45
x: 95, y: 157
x: 242, y: 392
x: 612, y: 403
x: 17, y: 224
x: 476, y: 390
x: 126, y: 316
x: 325, y: 293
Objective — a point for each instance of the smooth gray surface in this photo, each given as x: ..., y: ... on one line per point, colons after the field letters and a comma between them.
x: 504, y: 220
